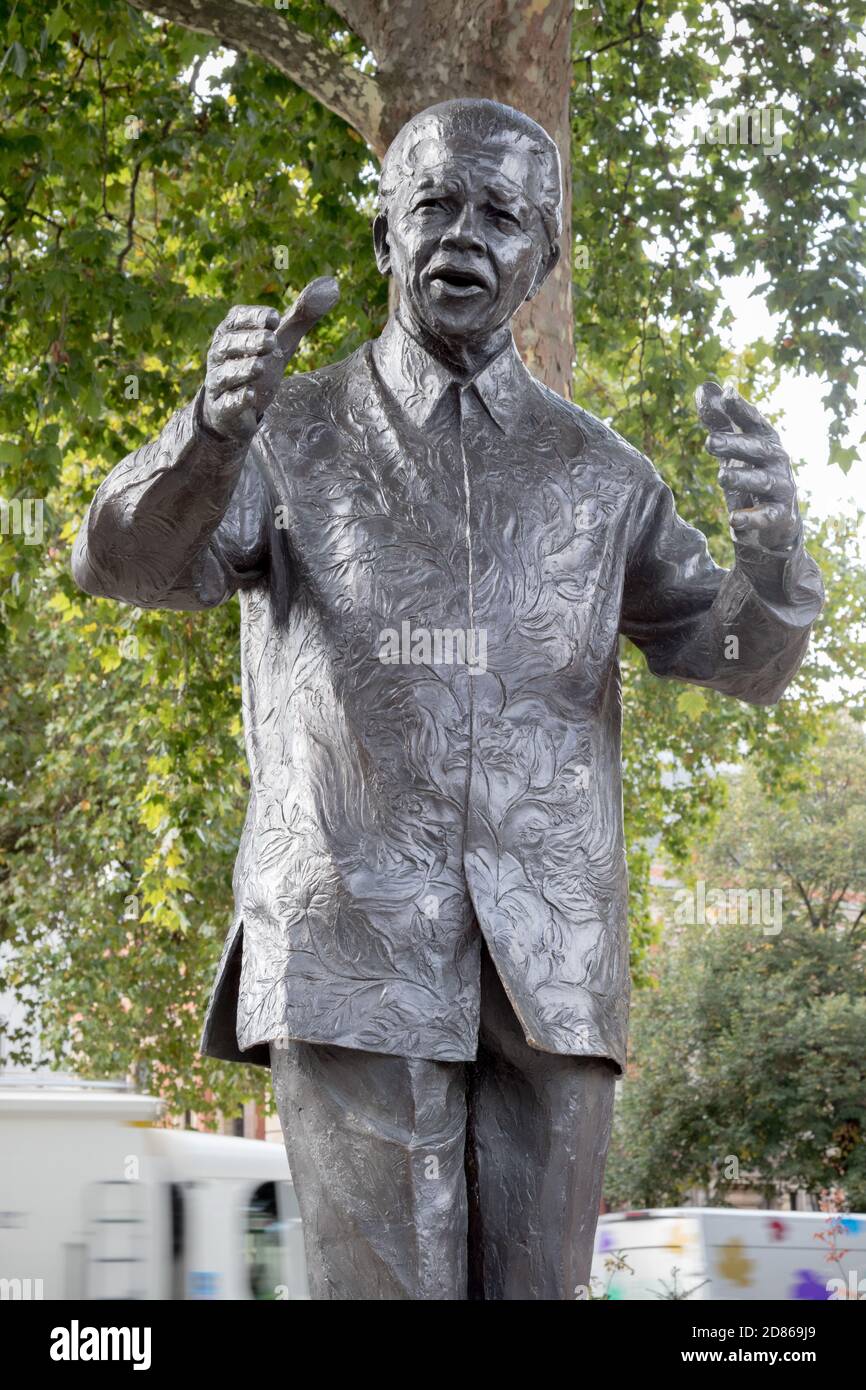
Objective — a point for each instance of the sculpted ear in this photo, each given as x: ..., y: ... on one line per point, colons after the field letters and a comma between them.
x: 380, y: 244
x: 544, y: 270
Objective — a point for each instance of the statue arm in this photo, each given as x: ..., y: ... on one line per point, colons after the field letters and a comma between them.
x: 742, y: 631
x: 180, y: 523
x: 184, y: 521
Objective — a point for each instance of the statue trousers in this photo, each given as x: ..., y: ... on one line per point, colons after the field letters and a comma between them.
x: 421, y: 1180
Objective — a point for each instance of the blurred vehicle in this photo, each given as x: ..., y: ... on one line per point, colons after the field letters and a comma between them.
x: 95, y: 1203
x: 723, y: 1253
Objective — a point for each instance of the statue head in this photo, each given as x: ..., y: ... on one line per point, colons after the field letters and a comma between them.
x: 470, y: 216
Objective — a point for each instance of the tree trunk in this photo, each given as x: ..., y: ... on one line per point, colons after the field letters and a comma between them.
x: 514, y: 51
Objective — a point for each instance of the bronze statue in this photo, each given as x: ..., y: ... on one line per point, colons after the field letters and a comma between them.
x: 436, y: 556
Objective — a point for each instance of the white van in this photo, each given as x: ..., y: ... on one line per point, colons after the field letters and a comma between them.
x: 723, y: 1253
x: 95, y: 1203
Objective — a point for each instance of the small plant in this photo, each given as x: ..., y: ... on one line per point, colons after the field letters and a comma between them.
x: 599, y: 1290
x: 672, y: 1293
x: 832, y: 1202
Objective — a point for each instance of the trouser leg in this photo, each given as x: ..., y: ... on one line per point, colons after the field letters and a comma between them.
x: 376, y: 1147
x: 539, y: 1129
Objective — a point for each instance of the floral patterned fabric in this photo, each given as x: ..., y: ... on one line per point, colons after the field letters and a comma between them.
x: 434, y: 576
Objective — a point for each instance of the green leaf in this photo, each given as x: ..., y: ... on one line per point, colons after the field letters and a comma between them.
x: 692, y: 702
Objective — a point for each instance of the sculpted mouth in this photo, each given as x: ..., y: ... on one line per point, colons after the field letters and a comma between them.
x: 458, y: 280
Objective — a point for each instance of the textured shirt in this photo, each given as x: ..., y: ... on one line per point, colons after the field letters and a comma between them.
x: 434, y: 575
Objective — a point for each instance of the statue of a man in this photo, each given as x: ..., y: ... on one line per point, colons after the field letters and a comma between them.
x: 436, y: 556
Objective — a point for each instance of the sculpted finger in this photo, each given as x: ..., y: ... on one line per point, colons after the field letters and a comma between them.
x: 744, y: 414
x: 242, y: 344
x: 750, y: 448
x: 760, y: 519
x: 238, y: 372
x: 708, y: 401
x: 238, y: 399
x: 315, y: 299
x: 756, y: 480
x: 249, y: 316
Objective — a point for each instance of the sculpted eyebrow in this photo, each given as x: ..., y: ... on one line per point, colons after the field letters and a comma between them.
x: 510, y: 198
x: 431, y: 182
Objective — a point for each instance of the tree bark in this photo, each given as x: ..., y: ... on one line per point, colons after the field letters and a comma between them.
x: 514, y: 51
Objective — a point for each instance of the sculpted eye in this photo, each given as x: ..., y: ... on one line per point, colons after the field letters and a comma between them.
x: 429, y: 205
x: 503, y: 215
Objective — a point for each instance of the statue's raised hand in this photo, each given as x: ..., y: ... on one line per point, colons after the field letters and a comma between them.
x: 248, y: 356
x: 755, y: 474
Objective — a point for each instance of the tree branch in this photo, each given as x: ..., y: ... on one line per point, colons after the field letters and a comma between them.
x: 240, y: 24
x: 364, y: 18
x: 815, y: 920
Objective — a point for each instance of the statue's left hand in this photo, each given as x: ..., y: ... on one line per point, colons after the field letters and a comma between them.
x: 755, y: 474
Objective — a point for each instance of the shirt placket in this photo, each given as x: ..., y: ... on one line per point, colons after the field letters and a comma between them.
x: 462, y: 404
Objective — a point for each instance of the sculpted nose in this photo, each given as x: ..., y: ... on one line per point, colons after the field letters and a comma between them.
x: 464, y: 234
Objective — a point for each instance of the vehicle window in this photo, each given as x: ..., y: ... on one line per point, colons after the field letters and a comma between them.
x: 178, y: 1240
x: 263, y: 1242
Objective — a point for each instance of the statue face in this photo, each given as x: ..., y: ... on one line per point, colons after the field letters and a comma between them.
x: 464, y: 238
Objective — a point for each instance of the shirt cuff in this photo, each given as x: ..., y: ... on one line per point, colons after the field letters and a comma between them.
x: 784, y: 579
x: 201, y: 447
x: 768, y: 570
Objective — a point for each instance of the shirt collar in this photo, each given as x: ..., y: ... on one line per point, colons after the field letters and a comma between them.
x: 418, y: 380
